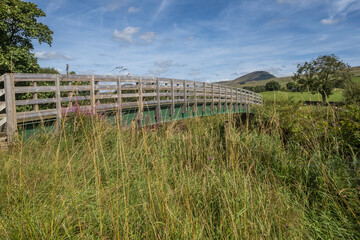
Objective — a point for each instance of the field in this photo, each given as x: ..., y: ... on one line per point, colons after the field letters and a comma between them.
x: 284, y: 173
x: 300, y: 96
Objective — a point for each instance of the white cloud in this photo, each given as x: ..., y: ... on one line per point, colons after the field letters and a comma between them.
x: 164, y: 4
x: 51, y: 55
x: 54, y: 5
x: 126, y: 35
x: 133, y: 10
x: 148, y: 37
x: 329, y: 21
x: 195, y: 72
x: 163, y: 67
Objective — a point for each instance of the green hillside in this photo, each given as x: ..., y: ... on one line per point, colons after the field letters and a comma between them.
x: 251, y: 77
x: 282, y: 80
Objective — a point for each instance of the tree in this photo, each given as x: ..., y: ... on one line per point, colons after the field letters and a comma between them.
x: 18, y: 27
x: 351, y: 93
x: 322, y: 75
x: 292, y: 86
x: 272, y: 86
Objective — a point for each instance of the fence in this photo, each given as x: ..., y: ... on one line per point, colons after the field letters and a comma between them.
x: 31, y: 97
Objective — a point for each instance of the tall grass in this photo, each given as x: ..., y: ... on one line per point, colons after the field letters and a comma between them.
x: 214, y: 177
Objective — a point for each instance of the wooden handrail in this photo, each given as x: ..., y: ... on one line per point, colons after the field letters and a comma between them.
x: 126, y: 92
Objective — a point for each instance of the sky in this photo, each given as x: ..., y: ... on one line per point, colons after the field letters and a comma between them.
x: 203, y: 40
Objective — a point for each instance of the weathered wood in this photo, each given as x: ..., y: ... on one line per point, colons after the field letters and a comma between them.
x: 185, y: 97
x: 237, y: 99
x: 35, y: 97
x: 70, y: 94
x: 172, y: 112
x: 204, y: 97
x: 58, y: 104
x: 195, y: 107
x: 158, y: 109
x: 2, y: 106
x: 92, y: 95
x: 11, y: 119
x: 141, y: 105
x: 2, y: 78
x: 2, y: 92
x: 231, y: 99
x: 2, y: 121
x: 219, y: 99
x: 212, y: 97
x: 119, y: 98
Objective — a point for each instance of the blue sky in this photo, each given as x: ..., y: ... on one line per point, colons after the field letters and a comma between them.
x: 204, y: 40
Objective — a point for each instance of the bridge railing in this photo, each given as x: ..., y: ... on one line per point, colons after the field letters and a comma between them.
x: 31, y: 97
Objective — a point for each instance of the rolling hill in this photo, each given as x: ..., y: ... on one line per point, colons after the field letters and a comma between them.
x: 258, y: 78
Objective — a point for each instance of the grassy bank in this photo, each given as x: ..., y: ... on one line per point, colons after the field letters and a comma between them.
x: 213, y: 177
x: 301, y: 96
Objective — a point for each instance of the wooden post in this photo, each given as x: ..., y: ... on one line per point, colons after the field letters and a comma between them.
x: 158, y: 108
x: 119, y: 100
x: 212, y: 97
x: 141, y: 106
x: 11, y: 117
x: 172, y: 112
x: 231, y: 99
x: 195, y: 100
x: 185, y: 98
x: 237, y: 99
x: 36, y: 106
x: 219, y: 100
x: 92, y: 96
x: 226, y: 105
x: 58, y: 103
x: 204, y: 96
x: 70, y: 93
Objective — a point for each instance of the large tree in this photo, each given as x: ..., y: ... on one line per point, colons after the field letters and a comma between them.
x: 18, y: 27
x: 322, y: 75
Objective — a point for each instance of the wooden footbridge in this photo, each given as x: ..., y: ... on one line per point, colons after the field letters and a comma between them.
x: 30, y: 99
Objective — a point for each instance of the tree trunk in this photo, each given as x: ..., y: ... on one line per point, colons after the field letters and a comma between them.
x: 323, y: 95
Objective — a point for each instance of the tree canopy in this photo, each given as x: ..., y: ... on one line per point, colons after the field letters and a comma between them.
x: 272, y: 86
x: 18, y: 27
x: 322, y: 75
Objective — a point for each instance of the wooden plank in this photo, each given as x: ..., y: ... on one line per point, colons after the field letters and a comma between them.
x: 2, y: 92
x: 185, y: 97
x: 195, y: 98
x: 70, y: 94
x: 11, y: 128
x: 237, y: 99
x: 2, y: 106
x: 92, y: 95
x: 119, y: 99
x: 172, y: 112
x: 58, y: 104
x: 158, y: 109
x: 2, y: 121
x: 212, y: 97
x: 141, y: 105
x: 219, y: 99
x: 36, y: 106
x: 204, y: 97
x: 2, y: 78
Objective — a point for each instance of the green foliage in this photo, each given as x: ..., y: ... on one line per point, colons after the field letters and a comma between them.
x: 281, y: 175
x: 322, y: 75
x: 18, y: 26
x: 351, y: 93
x: 272, y: 86
x: 48, y: 70
x: 350, y: 128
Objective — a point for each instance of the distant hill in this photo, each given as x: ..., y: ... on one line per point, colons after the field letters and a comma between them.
x: 253, y: 76
x: 245, y: 82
